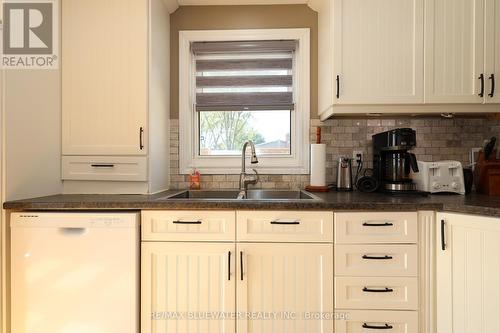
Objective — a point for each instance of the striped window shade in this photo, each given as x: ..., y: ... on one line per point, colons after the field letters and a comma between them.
x: 244, y: 75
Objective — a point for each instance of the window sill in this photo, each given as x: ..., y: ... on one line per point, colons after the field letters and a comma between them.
x: 232, y: 166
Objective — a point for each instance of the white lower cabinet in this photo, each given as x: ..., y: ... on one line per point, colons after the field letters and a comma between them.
x: 293, y: 283
x: 284, y: 226
x: 188, y: 225
x: 201, y: 282
x: 378, y: 293
x: 468, y: 274
x: 184, y: 283
x: 376, y: 260
x: 376, y: 228
x: 360, y: 321
x: 376, y: 272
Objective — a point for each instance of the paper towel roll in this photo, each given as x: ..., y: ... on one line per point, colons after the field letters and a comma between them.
x: 318, y: 164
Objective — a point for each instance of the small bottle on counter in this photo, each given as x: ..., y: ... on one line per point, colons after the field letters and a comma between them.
x: 194, y: 180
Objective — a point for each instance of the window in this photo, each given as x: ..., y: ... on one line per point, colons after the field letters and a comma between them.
x: 238, y: 85
x: 223, y: 133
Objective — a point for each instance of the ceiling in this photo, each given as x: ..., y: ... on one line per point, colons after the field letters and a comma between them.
x: 172, y: 5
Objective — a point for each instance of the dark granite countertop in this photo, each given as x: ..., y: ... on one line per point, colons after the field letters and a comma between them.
x: 339, y: 201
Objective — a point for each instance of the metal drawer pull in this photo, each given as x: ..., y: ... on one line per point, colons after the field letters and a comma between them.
x: 186, y: 222
x: 376, y: 257
x: 141, y: 143
x: 385, y: 327
x: 338, y: 87
x: 443, y: 240
x: 241, y: 265
x: 492, y: 79
x: 385, y: 290
x: 285, y: 222
x: 481, y: 79
x: 377, y: 224
x: 102, y: 165
x: 229, y: 266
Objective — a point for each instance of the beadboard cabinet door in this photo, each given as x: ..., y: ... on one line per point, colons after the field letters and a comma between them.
x: 454, y: 51
x: 492, y: 56
x: 104, y: 77
x: 468, y: 274
x: 285, y: 280
x: 378, y: 51
x: 182, y: 280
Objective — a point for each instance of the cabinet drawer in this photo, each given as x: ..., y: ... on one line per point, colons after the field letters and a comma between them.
x: 392, y: 227
x: 182, y: 225
x: 114, y: 168
x: 377, y: 321
x: 385, y: 293
x: 376, y: 260
x: 285, y: 226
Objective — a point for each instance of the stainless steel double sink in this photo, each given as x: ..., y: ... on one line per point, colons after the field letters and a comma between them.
x: 278, y: 195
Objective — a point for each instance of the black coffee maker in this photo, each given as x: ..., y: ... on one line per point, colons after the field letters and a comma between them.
x: 392, y: 163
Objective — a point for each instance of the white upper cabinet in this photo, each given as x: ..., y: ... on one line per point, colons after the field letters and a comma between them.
x: 115, y: 101
x: 454, y: 51
x: 105, y: 77
x: 378, y: 51
x: 407, y: 56
x: 492, y: 56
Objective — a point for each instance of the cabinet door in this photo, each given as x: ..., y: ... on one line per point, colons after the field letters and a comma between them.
x: 184, y: 283
x: 285, y: 288
x: 104, y: 77
x: 454, y: 51
x: 378, y: 51
x: 492, y: 49
x: 468, y: 274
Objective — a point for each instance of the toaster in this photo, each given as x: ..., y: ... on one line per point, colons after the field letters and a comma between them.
x: 440, y: 177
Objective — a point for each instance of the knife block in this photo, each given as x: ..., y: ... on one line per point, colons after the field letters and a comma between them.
x: 487, y: 175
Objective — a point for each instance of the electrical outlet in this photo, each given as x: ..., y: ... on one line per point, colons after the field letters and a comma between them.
x: 473, y: 156
x: 355, y: 156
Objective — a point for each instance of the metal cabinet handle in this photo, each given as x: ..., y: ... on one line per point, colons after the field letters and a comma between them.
x: 385, y: 290
x: 102, y: 165
x: 229, y: 266
x: 377, y: 224
x: 141, y: 134
x: 386, y: 257
x: 443, y: 241
x: 492, y: 79
x: 186, y: 222
x: 481, y: 79
x: 285, y: 222
x: 371, y: 327
x: 241, y: 265
x: 338, y: 87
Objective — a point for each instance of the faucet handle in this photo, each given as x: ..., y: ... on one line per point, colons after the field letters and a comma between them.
x: 257, y: 178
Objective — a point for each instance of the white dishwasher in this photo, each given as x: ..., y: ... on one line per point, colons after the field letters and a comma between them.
x: 75, y: 272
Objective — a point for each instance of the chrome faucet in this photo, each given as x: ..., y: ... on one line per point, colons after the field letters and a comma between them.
x: 244, y: 178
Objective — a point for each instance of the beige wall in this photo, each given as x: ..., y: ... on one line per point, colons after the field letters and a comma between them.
x: 241, y: 17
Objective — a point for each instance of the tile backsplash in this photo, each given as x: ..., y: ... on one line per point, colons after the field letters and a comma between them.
x: 437, y: 139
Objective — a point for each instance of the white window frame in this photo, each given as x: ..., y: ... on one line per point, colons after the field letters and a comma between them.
x: 295, y: 163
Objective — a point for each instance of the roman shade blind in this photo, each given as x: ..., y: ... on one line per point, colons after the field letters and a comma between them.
x: 244, y: 75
